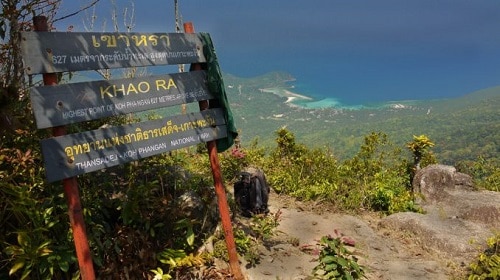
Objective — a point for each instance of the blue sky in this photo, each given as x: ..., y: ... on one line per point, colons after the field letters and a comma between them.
x: 392, y: 49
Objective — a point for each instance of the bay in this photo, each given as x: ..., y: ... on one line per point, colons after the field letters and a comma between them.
x: 356, y: 80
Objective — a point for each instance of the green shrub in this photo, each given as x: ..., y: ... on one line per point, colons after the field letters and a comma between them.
x: 485, y: 172
x: 375, y: 178
x: 487, y: 265
x: 264, y: 226
x: 336, y: 261
x: 34, y: 238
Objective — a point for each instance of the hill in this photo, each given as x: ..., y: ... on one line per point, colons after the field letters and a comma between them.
x: 462, y: 128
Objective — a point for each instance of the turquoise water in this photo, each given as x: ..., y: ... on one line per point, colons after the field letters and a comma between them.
x: 323, y: 103
x: 323, y: 97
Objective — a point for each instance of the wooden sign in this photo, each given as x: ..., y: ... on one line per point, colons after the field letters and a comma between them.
x: 74, y: 154
x: 77, y: 102
x: 50, y: 52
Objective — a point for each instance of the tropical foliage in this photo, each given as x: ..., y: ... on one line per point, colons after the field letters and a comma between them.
x: 147, y: 219
x: 487, y: 265
x: 335, y: 261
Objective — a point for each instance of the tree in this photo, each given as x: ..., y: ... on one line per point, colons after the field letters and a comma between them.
x: 31, y: 211
x: 17, y: 16
x: 419, y: 147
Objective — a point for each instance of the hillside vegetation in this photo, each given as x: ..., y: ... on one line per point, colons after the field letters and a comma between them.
x: 463, y: 128
x: 144, y: 208
x: 150, y: 219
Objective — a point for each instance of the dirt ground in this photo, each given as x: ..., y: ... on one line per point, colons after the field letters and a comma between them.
x: 385, y: 253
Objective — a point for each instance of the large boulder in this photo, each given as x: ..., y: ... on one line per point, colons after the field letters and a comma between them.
x: 433, y: 182
x: 457, y: 218
x: 454, y: 194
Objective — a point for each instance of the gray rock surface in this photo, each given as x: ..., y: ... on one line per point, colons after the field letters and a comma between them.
x: 457, y: 219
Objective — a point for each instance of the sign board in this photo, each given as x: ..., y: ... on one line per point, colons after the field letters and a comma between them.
x: 71, y: 103
x: 74, y: 154
x: 50, y: 52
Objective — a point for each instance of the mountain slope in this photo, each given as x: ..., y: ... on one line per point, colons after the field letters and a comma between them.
x: 462, y: 128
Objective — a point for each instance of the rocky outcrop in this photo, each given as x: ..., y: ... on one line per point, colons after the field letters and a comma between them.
x: 457, y: 219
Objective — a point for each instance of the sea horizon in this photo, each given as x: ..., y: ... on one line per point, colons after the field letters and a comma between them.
x: 350, y: 81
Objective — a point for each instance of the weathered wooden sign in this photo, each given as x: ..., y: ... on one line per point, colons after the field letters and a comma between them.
x: 49, y: 52
x: 77, y: 102
x: 74, y: 154
x: 67, y: 156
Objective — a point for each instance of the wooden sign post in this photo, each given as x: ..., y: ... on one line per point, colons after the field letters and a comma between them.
x: 219, y: 188
x: 69, y: 155
x: 70, y: 186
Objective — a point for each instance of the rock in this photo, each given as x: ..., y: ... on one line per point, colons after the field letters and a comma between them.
x: 457, y: 220
x: 454, y: 239
x: 454, y: 193
x: 432, y: 182
x: 190, y: 205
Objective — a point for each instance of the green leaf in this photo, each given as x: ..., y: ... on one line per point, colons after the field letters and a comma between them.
x: 64, y: 265
x: 190, y: 236
x: 17, y: 265
x: 22, y: 239
x: 26, y: 274
x: 330, y: 267
x: 355, y: 266
x: 342, y: 262
x: 328, y: 259
x: 332, y: 275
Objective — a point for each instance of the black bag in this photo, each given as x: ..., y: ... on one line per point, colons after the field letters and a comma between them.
x: 251, y: 192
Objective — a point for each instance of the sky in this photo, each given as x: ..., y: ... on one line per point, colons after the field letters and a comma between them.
x: 384, y: 49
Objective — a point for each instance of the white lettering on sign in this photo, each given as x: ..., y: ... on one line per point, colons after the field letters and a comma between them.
x: 184, y: 140
x: 205, y: 136
x: 96, y: 162
x: 125, y: 89
x: 152, y: 148
x: 83, y: 112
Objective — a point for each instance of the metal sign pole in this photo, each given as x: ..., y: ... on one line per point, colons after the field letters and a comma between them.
x: 71, y: 188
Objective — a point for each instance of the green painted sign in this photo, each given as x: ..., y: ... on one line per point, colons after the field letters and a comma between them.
x: 77, y: 102
x: 50, y: 52
x: 74, y: 154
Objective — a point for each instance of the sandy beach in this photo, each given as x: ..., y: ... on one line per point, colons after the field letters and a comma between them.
x: 290, y: 96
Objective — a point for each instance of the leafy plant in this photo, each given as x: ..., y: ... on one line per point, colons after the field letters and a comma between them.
x: 336, y: 261
x: 246, y: 246
x: 233, y: 161
x: 177, y: 259
x: 390, y: 194
x: 186, y: 226
x: 375, y: 178
x: 160, y: 275
x: 419, y: 148
x: 487, y: 265
x: 247, y: 238
x: 33, y: 219
x: 264, y: 226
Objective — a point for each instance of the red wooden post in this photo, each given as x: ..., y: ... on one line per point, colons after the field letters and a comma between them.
x: 71, y: 188
x: 219, y: 189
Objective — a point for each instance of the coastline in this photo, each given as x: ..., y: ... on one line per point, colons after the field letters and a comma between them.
x: 290, y: 96
x: 311, y: 103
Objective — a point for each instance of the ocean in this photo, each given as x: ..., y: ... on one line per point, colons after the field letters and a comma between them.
x: 367, y: 80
